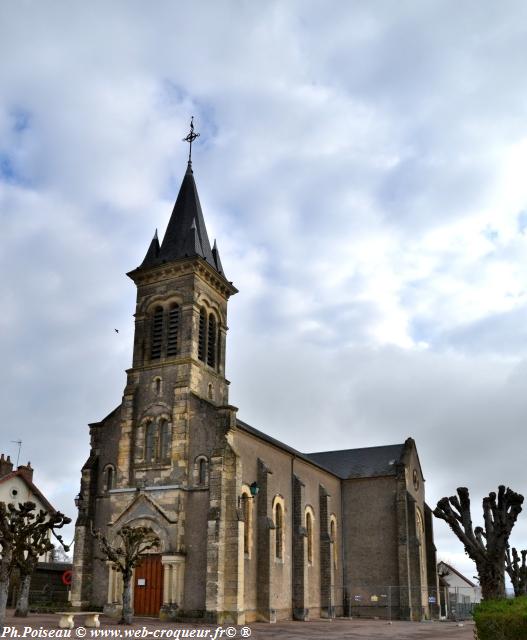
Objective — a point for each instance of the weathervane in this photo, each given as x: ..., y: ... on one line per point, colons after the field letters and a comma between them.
x: 190, y: 139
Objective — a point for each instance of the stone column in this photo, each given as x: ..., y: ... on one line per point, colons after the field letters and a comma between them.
x: 264, y: 547
x: 215, y: 540
x: 300, y: 610
x: 173, y: 586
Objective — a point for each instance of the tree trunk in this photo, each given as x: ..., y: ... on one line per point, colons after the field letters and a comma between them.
x: 5, y: 574
x: 22, y: 602
x: 128, y: 610
x: 492, y: 580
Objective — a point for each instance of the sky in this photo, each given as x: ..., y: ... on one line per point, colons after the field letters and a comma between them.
x: 362, y: 166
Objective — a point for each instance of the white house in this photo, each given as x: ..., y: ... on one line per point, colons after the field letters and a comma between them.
x: 458, y: 593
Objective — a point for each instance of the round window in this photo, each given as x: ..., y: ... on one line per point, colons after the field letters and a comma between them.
x: 14, y: 493
x: 416, y: 479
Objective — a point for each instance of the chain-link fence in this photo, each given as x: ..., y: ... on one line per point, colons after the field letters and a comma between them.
x: 400, y: 603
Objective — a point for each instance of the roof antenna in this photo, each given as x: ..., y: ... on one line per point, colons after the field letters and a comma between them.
x: 190, y: 139
x: 19, y: 443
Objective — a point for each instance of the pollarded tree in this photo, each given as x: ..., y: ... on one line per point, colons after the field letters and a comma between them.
x: 11, y: 521
x: 125, y: 555
x: 487, y: 545
x: 516, y: 567
x: 33, y: 541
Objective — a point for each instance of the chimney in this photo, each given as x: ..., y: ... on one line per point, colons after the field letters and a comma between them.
x: 26, y: 470
x: 6, y: 466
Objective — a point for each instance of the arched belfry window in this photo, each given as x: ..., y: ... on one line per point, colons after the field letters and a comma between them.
x: 211, y: 341
x: 173, y: 330
x: 156, y: 340
x: 202, y: 334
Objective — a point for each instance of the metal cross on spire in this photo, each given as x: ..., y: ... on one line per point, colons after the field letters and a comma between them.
x: 190, y: 139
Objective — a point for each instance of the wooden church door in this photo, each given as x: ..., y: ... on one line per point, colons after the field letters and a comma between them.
x: 148, y: 586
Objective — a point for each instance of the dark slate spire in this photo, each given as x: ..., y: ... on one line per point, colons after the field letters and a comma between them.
x: 187, y: 211
x: 216, y: 256
x: 153, y: 251
x: 186, y: 234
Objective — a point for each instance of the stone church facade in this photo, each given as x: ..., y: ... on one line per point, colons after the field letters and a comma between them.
x: 250, y: 528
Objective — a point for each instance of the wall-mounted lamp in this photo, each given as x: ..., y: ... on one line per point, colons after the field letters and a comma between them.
x: 254, y: 489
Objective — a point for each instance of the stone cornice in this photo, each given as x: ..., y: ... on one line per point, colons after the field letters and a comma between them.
x: 186, y: 266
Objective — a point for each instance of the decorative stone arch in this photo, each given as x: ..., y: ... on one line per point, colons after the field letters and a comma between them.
x: 147, y: 521
x: 279, y: 527
x: 115, y: 582
x: 148, y: 304
x: 204, y: 301
x: 309, y: 524
x: 201, y: 471
x: 247, y: 507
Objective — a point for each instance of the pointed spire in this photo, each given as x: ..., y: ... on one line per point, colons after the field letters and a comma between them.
x: 186, y: 234
x: 216, y: 256
x: 192, y: 245
x: 185, y: 222
x: 153, y: 252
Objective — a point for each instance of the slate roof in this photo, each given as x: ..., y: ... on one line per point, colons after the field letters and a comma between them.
x: 367, y: 462
x: 186, y: 234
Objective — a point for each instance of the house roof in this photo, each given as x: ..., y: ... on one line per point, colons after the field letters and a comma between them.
x: 454, y: 570
x: 186, y: 234
x: 367, y: 462
x: 32, y: 487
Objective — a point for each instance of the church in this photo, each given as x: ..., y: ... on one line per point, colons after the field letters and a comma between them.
x: 250, y: 528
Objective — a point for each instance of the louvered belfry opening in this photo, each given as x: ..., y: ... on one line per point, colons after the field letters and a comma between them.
x: 202, y: 334
x: 211, y: 342
x: 173, y: 330
x: 157, y: 334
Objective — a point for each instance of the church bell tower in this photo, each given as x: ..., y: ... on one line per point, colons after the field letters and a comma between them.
x: 180, y: 334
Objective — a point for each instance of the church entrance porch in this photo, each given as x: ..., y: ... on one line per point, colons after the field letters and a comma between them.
x: 148, y: 586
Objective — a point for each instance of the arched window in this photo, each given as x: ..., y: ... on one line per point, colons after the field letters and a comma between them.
x: 202, y: 334
x: 211, y: 342
x: 420, y: 533
x: 156, y: 334
x: 173, y: 330
x: 333, y: 534
x: 150, y: 441
x: 157, y: 385
x: 309, y: 531
x: 109, y: 478
x: 279, y: 531
x: 247, y: 520
x: 164, y: 440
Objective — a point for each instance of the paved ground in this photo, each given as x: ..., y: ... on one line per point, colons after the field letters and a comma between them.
x: 324, y: 630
